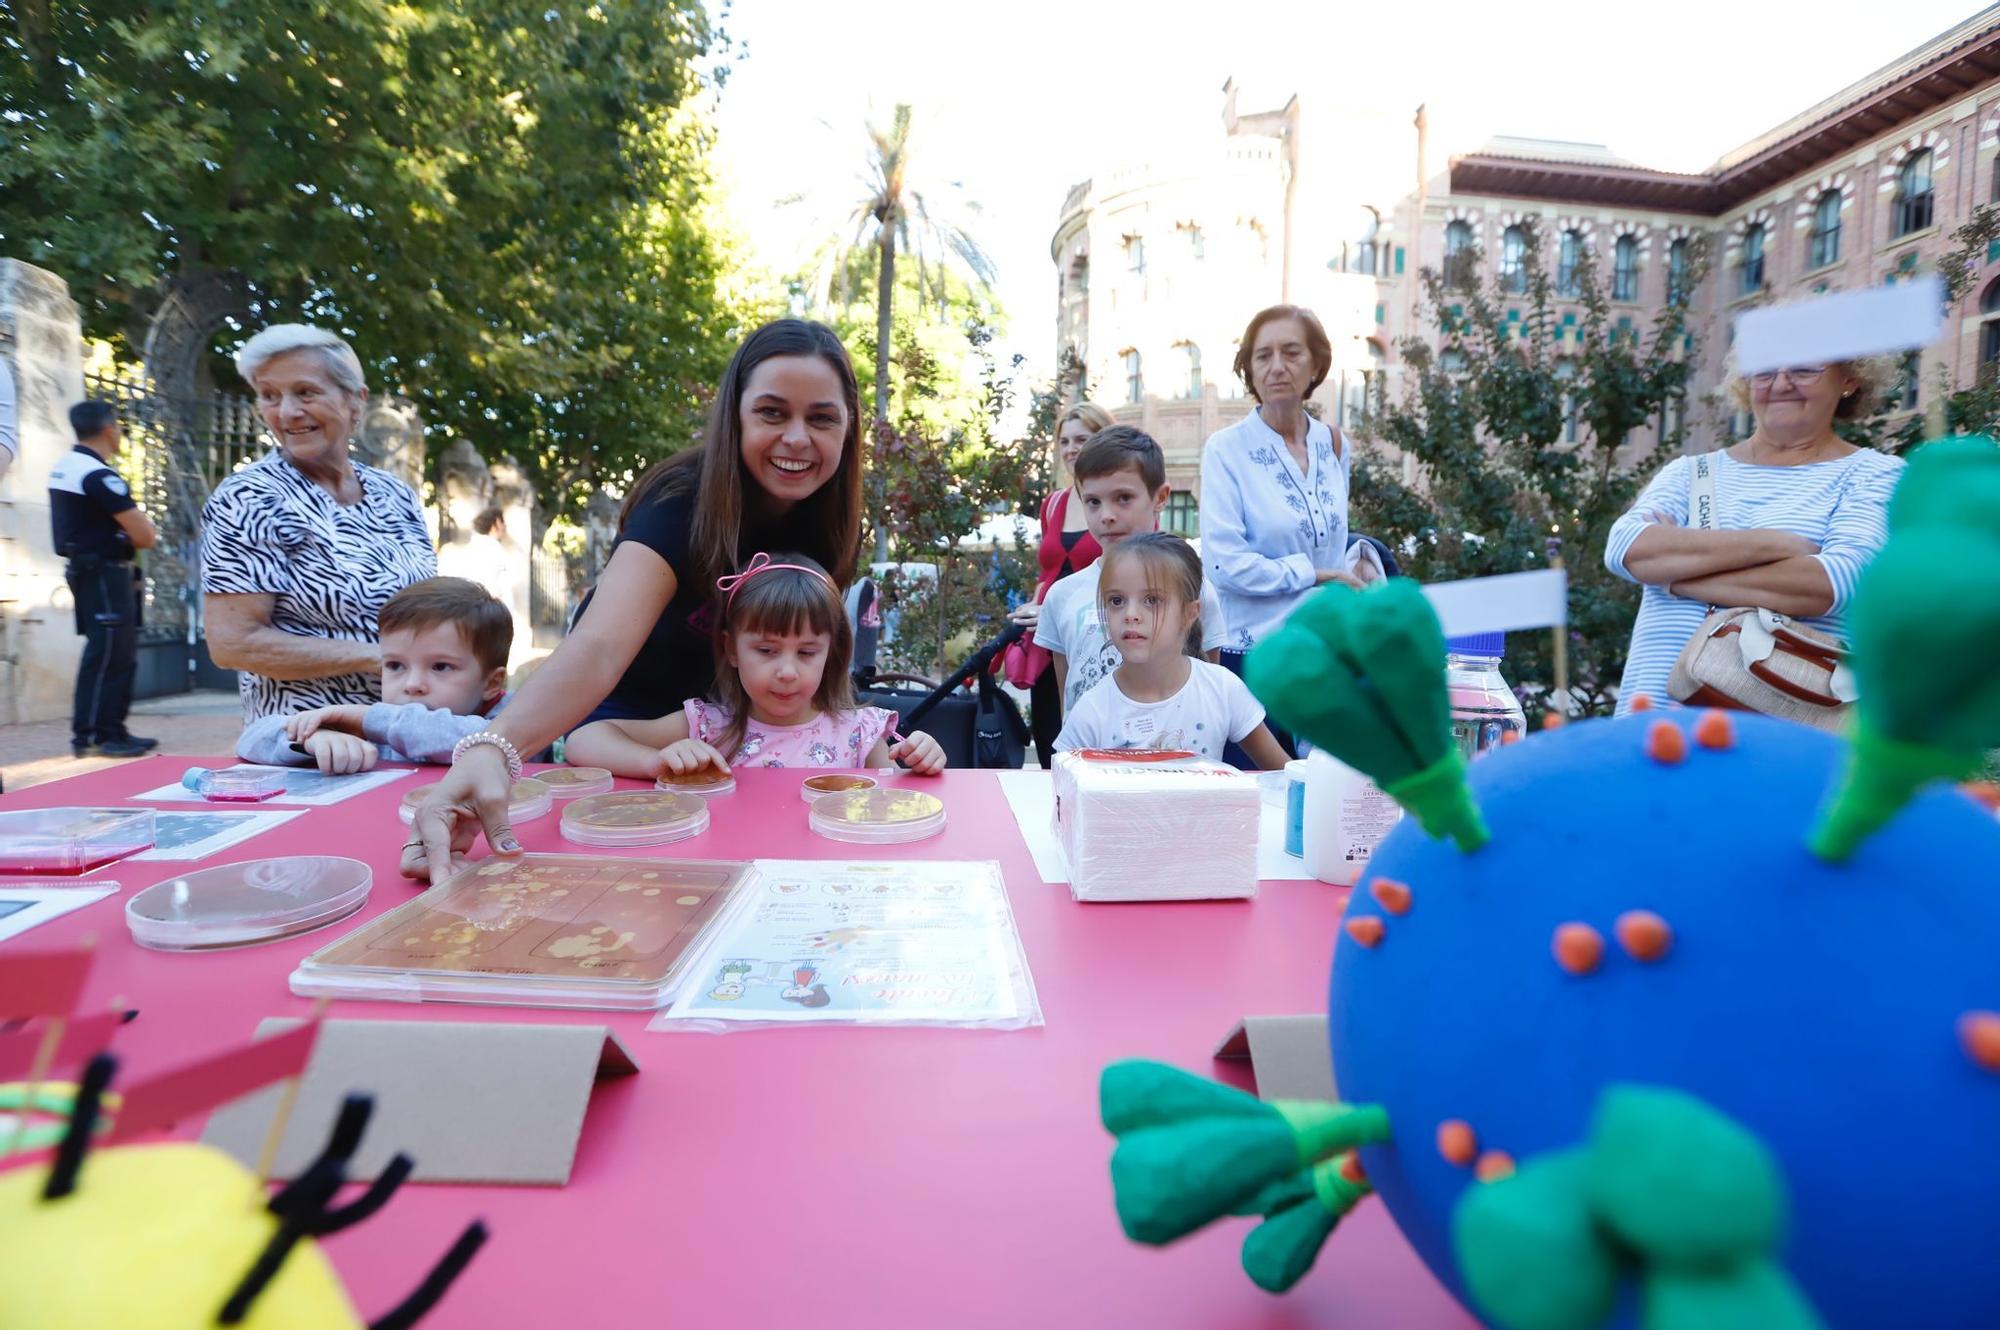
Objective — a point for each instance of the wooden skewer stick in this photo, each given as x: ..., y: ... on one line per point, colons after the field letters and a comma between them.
x: 288, y: 1098
x: 1560, y: 657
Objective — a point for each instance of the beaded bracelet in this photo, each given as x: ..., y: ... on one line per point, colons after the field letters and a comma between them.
x: 499, y: 741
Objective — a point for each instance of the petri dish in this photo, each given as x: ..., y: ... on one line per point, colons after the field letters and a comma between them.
x: 574, y: 782
x: 240, y: 905
x: 530, y: 799
x: 813, y: 787
x: 707, y: 782
x: 878, y: 817
x: 634, y: 817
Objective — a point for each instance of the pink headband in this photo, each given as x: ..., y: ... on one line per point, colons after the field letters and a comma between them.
x: 761, y: 563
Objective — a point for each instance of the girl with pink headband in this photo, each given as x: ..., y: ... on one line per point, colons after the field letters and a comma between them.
x: 783, y: 697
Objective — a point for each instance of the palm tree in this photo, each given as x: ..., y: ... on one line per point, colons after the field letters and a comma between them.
x: 901, y: 209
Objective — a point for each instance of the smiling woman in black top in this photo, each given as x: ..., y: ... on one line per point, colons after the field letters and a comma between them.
x: 779, y: 467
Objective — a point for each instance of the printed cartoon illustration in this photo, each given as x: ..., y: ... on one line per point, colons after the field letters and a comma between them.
x: 835, y: 939
x: 822, y: 755
x: 806, y: 990
x: 729, y: 984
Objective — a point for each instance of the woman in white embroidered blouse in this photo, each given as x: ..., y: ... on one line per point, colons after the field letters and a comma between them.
x: 1274, y: 485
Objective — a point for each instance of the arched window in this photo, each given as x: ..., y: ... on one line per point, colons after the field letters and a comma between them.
x: 1750, y: 278
x: 1568, y: 278
x: 1677, y: 271
x: 1135, y: 380
x: 1513, y: 260
x: 1826, y: 229
x: 1565, y: 374
x: 1625, y: 269
x: 1458, y: 255
x: 1191, y: 355
x: 1989, y: 331
x: 1915, y: 199
x: 1362, y: 254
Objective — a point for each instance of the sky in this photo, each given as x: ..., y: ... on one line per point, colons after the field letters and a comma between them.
x: 1020, y: 100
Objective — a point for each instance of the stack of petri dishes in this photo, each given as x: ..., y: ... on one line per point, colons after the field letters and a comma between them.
x: 634, y: 817
x: 813, y: 787
x: 240, y: 905
x: 529, y: 799
x: 706, y: 782
x: 878, y: 817
x: 574, y: 782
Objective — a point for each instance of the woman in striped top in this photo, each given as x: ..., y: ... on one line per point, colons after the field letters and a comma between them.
x: 1799, y: 512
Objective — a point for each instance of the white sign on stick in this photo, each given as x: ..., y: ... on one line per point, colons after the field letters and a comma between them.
x: 1870, y: 322
x: 1504, y: 604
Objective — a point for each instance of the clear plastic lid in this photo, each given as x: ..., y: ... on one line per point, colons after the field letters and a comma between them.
x: 71, y: 840
x: 837, y: 782
x: 878, y: 817
x: 707, y: 782
x: 237, y: 905
x: 542, y: 930
x: 574, y: 782
x: 634, y: 817
x: 528, y: 800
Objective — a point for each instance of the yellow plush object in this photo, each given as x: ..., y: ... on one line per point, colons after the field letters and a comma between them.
x: 155, y: 1237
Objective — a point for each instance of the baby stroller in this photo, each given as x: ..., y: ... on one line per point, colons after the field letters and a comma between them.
x: 977, y: 728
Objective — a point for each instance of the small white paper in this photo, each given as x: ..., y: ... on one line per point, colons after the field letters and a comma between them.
x: 1847, y: 324
x: 1031, y: 797
x: 23, y: 907
x: 196, y: 834
x: 1504, y: 604
x: 303, y: 786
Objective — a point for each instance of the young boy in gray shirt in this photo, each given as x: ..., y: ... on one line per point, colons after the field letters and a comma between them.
x: 444, y: 675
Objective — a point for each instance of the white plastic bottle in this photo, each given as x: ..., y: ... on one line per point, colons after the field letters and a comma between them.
x: 1346, y: 817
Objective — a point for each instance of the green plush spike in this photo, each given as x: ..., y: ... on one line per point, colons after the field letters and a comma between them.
x: 1299, y: 1219
x: 1361, y: 674
x: 1137, y: 1093
x: 1924, y: 627
x: 1169, y: 1181
x: 1680, y: 1182
x: 1754, y: 1295
x: 1532, y: 1256
x: 1324, y: 1127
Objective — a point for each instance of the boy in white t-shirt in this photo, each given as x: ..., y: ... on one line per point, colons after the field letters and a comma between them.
x: 1121, y: 475
x: 1159, y: 697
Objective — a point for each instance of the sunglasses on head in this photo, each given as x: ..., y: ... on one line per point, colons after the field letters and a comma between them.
x: 1798, y: 373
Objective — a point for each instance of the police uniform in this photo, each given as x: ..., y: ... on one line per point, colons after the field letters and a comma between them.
x: 85, y: 498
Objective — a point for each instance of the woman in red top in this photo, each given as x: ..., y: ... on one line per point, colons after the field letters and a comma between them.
x: 1066, y: 547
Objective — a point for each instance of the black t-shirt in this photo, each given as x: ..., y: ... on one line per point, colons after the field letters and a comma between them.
x: 85, y: 498
x: 676, y: 661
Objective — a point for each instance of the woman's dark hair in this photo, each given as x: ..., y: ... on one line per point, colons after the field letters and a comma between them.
x: 828, y: 524
x: 1317, y: 345
x: 1170, y: 563
x: 781, y: 601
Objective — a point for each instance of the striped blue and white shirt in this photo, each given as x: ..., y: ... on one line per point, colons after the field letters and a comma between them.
x: 1839, y: 505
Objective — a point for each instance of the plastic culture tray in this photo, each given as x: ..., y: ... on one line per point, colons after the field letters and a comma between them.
x: 240, y: 905
x: 530, y: 799
x: 235, y: 785
x: 542, y: 930
x: 878, y: 817
x: 66, y: 841
x: 634, y: 817
x: 574, y: 782
x: 814, y: 787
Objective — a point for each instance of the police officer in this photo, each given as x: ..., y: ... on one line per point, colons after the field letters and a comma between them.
x: 97, y: 527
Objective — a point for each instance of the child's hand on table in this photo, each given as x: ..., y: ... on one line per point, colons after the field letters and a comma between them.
x: 338, y: 754
x: 923, y: 755
x: 305, y: 724
x: 685, y: 756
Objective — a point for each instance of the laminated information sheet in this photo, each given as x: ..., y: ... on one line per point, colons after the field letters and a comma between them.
x: 907, y: 943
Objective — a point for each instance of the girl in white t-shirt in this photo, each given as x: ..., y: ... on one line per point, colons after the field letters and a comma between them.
x: 1149, y: 599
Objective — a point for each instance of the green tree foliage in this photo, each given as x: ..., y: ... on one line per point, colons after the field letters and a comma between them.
x: 504, y: 205
x: 1529, y: 435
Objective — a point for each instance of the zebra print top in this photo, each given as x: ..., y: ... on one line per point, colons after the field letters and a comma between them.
x: 329, y: 567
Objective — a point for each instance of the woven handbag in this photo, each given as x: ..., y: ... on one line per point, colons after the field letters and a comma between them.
x: 1757, y: 660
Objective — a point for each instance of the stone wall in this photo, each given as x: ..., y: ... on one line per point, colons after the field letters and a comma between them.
x: 41, y: 341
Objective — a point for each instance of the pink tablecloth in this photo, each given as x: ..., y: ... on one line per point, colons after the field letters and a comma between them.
x: 824, y: 1177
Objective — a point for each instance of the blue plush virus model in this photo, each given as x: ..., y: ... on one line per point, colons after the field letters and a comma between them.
x: 1684, y: 1021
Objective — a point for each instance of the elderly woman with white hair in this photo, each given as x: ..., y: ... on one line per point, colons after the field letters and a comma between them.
x: 1793, y: 514
x: 300, y: 549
